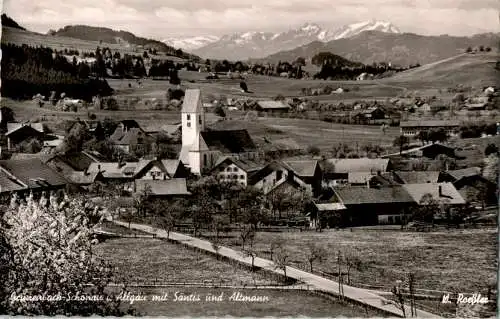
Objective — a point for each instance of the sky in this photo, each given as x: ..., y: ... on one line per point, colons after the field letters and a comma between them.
x: 162, y: 19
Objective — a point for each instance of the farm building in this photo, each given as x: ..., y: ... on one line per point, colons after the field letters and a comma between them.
x: 324, y: 215
x: 22, y: 133
x: 412, y: 128
x: 273, y: 107
x: 471, y: 185
x: 228, y: 169
x: 308, y: 171
x: 129, y: 134
x: 372, y: 206
x: 370, y: 115
x: 201, y: 148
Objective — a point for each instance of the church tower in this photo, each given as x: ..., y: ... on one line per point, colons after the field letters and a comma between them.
x: 193, y: 117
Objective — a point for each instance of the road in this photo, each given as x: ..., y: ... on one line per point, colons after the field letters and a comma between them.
x: 316, y: 282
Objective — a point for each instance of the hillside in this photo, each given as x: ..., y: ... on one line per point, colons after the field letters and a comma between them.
x: 106, y: 35
x: 399, y: 49
x: 9, y: 22
x: 476, y: 70
x: 20, y: 37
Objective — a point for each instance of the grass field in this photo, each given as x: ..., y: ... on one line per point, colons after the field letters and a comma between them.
x: 149, y: 260
x: 281, y: 304
x: 454, y: 260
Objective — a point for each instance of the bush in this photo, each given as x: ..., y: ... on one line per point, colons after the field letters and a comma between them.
x: 313, y: 150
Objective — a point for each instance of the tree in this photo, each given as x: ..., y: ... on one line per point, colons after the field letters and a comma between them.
x: 401, y: 141
x: 247, y: 233
x: 315, y: 253
x: 427, y: 208
x: 165, y: 221
x: 250, y: 252
x: 244, y: 86
x: 50, y: 251
x: 275, y: 245
x: 281, y: 260
x: 469, y: 49
x: 219, y: 111
x: 313, y: 150
x: 141, y: 198
x: 491, y: 168
x: 491, y: 149
x: 352, y: 261
x: 423, y: 136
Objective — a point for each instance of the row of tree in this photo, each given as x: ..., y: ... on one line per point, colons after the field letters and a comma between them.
x: 27, y: 71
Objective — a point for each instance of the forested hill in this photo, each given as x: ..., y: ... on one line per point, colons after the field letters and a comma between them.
x: 107, y: 35
x: 28, y: 71
x: 9, y: 22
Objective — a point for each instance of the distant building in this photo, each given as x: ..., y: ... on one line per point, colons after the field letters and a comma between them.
x: 430, y: 151
x: 273, y: 107
x: 412, y: 128
x: 21, y: 133
x: 237, y: 171
x: 338, y: 170
x: 129, y: 134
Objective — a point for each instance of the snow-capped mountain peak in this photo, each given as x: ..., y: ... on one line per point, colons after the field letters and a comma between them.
x: 257, y: 44
x: 191, y: 43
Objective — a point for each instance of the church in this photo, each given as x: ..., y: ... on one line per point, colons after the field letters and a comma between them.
x: 202, y: 148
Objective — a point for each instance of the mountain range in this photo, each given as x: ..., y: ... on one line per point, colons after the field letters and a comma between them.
x: 401, y: 49
x: 258, y: 44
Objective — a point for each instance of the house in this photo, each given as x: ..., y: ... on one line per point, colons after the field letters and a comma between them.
x: 277, y: 176
x: 471, y: 184
x: 477, y: 104
x: 201, y: 148
x: 129, y: 134
x: 94, y: 128
x: 74, y: 166
x: 337, y: 170
x: 372, y: 206
x: 412, y: 128
x: 234, y: 170
x: 126, y: 173
x: 273, y: 107
x: 370, y: 115
x: 325, y: 215
x: 18, y: 134
x: 162, y: 188
x: 29, y: 175
x: 309, y: 171
x: 444, y: 193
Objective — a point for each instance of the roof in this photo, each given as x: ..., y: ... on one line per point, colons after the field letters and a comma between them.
x: 174, y: 186
x: 113, y: 170
x: 429, y: 123
x: 126, y: 138
x: 24, y: 129
x: 82, y: 178
x: 229, y: 141
x: 465, y: 172
x: 346, y: 165
x: 192, y: 101
x: 272, y: 105
x: 171, y: 166
x: 79, y: 161
x: 33, y: 173
x: 418, y: 177
x: 451, y: 195
x: 15, y: 126
x: 329, y: 206
x: 303, y: 168
x: 245, y: 165
x: 359, y: 177
x: 9, y: 183
x: 265, y: 171
x: 364, y: 195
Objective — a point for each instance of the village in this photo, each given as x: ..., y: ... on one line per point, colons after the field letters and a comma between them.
x: 316, y: 186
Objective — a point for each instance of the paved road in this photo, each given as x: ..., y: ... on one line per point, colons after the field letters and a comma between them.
x: 317, y: 282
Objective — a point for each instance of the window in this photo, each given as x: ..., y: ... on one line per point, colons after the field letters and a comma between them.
x: 189, y: 117
x: 188, y: 124
x: 228, y: 169
x: 242, y: 176
x: 235, y: 176
x: 204, y: 158
x: 199, y: 119
x: 279, y: 175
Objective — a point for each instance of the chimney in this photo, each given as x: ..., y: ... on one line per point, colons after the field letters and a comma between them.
x: 99, y: 167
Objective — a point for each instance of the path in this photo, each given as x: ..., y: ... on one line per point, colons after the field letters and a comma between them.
x: 316, y: 282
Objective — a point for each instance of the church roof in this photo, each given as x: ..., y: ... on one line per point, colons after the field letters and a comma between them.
x: 229, y: 141
x: 192, y: 101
